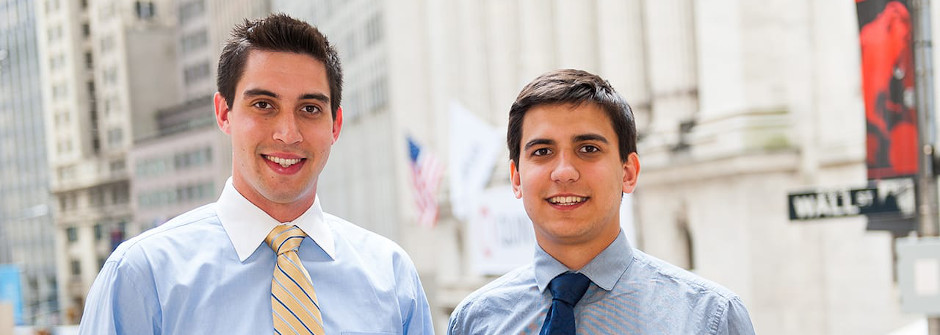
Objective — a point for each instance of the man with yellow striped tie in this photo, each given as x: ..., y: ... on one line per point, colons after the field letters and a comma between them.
x: 264, y: 258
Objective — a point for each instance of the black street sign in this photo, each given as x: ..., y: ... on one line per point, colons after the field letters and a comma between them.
x: 835, y: 203
x: 889, y: 204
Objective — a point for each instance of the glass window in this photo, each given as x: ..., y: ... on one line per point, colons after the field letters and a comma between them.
x: 71, y: 233
x: 374, y: 30
x: 76, y: 268
x: 196, y: 72
x: 89, y: 62
x: 144, y: 10
x: 117, y: 166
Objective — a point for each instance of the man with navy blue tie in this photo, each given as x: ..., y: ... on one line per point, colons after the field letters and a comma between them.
x: 572, y: 146
x: 265, y: 258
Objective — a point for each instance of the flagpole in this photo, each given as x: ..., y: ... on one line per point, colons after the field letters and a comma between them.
x: 927, y: 181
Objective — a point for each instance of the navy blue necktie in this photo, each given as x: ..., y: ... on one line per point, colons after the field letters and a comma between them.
x: 567, y: 289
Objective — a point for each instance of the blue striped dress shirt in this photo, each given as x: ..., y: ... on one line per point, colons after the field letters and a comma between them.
x: 631, y: 293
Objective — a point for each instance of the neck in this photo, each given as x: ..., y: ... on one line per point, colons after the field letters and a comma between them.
x: 576, y: 255
x: 282, y: 212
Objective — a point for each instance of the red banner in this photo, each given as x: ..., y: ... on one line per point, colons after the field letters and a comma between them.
x: 885, y: 33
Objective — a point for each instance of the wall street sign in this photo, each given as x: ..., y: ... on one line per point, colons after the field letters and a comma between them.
x: 890, y: 200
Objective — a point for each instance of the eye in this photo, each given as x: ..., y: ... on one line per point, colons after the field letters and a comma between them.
x: 311, y: 109
x: 590, y: 149
x: 541, y: 152
x: 262, y: 105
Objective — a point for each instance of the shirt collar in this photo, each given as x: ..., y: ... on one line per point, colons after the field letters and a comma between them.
x: 247, y: 225
x: 604, y: 270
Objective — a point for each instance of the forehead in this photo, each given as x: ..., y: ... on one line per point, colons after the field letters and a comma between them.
x: 282, y: 70
x: 560, y: 121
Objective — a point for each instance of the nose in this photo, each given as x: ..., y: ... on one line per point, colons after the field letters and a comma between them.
x: 286, y: 129
x: 565, y: 171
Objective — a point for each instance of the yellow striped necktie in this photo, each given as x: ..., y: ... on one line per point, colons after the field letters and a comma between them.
x: 293, y: 301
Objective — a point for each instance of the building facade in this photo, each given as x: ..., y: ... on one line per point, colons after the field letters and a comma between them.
x: 26, y: 223
x: 102, y: 83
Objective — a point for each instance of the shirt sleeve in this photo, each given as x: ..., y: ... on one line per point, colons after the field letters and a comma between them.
x: 455, y: 326
x: 121, y: 301
x: 735, y: 320
x: 416, y: 313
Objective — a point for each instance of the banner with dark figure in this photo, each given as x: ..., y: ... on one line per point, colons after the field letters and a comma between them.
x: 886, y: 34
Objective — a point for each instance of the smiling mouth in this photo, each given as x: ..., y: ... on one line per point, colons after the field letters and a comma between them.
x: 567, y: 200
x: 283, y: 162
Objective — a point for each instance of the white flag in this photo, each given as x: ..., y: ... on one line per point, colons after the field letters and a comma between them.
x: 474, y: 148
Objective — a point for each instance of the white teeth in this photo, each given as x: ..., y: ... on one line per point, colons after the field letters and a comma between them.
x: 284, y: 162
x: 569, y: 200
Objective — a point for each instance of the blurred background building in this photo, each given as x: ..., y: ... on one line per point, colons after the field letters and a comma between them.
x: 26, y: 226
x: 738, y: 103
x: 104, y: 74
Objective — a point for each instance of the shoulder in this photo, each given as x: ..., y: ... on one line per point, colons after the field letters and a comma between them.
x: 645, y: 265
x: 497, y: 298
x: 179, y: 231
x: 720, y: 309
x: 355, y: 235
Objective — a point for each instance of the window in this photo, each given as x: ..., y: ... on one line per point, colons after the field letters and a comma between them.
x: 374, y: 30
x: 194, y: 41
x: 99, y: 232
x: 120, y: 194
x: 96, y: 197
x: 115, y: 137
x: 110, y: 75
x: 76, y: 268
x: 351, y: 46
x: 54, y: 33
x: 59, y: 90
x: 196, y: 72
x: 86, y: 29
x: 190, y: 10
x: 117, y: 166
x: 144, y: 10
x: 71, y: 233
x: 379, y: 93
x: 107, y: 43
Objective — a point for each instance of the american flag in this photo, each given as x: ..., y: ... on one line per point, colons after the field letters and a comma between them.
x: 426, y: 173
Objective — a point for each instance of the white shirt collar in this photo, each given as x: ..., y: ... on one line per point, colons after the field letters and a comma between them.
x: 247, y: 225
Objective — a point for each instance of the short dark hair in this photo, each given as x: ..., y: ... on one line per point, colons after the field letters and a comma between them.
x: 575, y: 87
x: 277, y: 32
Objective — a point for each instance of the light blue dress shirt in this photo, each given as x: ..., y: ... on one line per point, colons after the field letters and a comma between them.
x: 631, y: 293
x: 209, y: 271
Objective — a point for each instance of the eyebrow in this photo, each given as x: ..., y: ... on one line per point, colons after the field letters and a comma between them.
x: 590, y: 137
x: 307, y: 96
x: 537, y: 141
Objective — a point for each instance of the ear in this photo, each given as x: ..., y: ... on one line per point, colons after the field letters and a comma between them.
x: 222, y: 113
x: 337, y: 123
x: 631, y: 170
x: 515, y: 179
